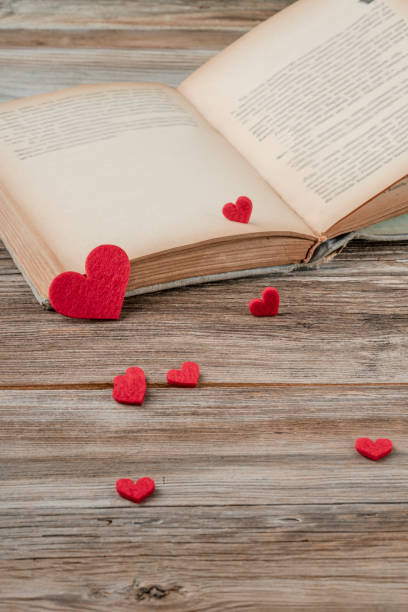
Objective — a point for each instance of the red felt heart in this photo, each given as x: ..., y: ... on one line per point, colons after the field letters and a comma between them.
x: 130, y: 388
x: 373, y: 450
x: 135, y: 491
x: 100, y: 293
x: 240, y: 211
x: 268, y: 306
x: 186, y: 377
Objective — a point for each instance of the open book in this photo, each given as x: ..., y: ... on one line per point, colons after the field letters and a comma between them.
x: 306, y: 115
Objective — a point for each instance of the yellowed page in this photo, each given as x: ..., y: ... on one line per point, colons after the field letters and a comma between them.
x: 133, y: 165
x: 316, y: 98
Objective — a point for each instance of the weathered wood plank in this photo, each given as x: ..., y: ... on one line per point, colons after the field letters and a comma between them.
x: 202, y: 446
x: 346, y: 323
x: 57, y: 69
x: 142, y: 24
x: 129, y: 583
x: 111, y: 523
x: 218, y: 580
x: 259, y: 499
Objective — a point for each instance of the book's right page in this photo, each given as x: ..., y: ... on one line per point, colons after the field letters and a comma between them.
x: 316, y: 99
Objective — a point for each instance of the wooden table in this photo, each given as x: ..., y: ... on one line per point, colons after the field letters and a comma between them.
x: 262, y: 503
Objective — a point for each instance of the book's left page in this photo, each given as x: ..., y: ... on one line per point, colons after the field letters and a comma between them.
x: 130, y: 164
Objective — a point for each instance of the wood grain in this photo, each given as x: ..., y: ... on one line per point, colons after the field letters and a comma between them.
x: 161, y: 24
x: 203, y: 446
x: 262, y: 502
x: 344, y: 323
x: 258, y: 498
x: 60, y: 68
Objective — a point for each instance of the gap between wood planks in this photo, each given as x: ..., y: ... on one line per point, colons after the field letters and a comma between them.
x: 202, y: 385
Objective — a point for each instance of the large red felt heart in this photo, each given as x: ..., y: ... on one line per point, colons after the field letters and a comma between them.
x: 268, y: 306
x: 186, y: 377
x: 135, y: 491
x: 240, y: 211
x: 100, y: 293
x: 373, y: 450
x: 130, y: 388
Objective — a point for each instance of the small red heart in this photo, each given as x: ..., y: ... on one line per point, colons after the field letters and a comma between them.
x: 373, y: 450
x: 186, y: 377
x: 135, y: 491
x: 100, y: 293
x: 240, y: 211
x: 268, y: 306
x: 130, y: 388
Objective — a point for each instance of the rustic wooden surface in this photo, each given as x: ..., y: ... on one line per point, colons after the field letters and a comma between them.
x: 262, y: 503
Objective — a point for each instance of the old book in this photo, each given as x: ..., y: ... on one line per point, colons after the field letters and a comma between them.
x: 306, y: 115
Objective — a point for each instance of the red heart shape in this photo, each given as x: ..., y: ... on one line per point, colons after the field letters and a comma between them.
x: 373, y: 450
x: 100, y: 293
x: 135, y: 491
x: 240, y: 211
x: 130, y: 388
x: 186, y: 377
x: 268, y: 306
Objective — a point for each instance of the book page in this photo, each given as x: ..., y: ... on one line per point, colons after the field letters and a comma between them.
x: 316, y: 98
x: 129, y: 164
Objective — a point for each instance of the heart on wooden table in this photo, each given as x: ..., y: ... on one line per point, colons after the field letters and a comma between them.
x: 187, y: 376
x: 240, y: 211
x: 135, y: 491
x: 130, y: 388
x: 373, y: 450
x: 268, y: 306
x: 98, y: 294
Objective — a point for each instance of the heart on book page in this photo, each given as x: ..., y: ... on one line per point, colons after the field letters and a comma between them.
x: 135, y: 491
x: 373, y: 450
x: 130, y: 388
x: 240, y: 211
x: 186, y: 377
x: 268, y: 306
x: 98, y: 294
